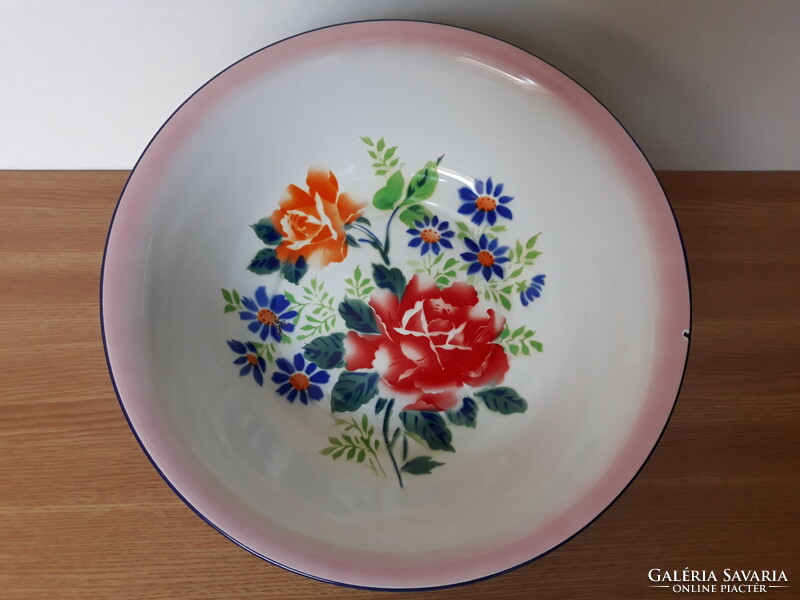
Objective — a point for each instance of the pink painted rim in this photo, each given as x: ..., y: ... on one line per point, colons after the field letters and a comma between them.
x: 122, y: 319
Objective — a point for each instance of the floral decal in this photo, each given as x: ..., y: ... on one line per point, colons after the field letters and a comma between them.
x: 267, y: 317
x: 485, y: 256
x: 298, y: 379
x: 484, y: 201
x: 432, y: 342
x: 403, y: 350
x: 430, y: 234
x: 311, y: 223
x: 248, y: 356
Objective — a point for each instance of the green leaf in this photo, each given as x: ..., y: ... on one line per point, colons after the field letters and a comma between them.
x: 389, y: 153
x: 267, y: 233
x: 227, y: 296
x: 361, y: 456
x: 229, y: 308
x: 236, y: 299
x: 338, y: 453
x: 389, y: 279
x: 514, y: 349
x: 326, y: 351
x: 421, y: 465
x: 428, y: 426
x: 386, y: 197
x: 367, y: 141
x: 532, y: 254
x: 351, y: 241
x: 381, y: 172
x: 423, y: 183
x: 333, y: 440
x: 353, y: 390
x: 357, y: 273
x: 415, y: 212
x: 536, y: 345
x: 364, y: 220
x: 505, y: 302
x: 293, y: 272
x: 503, y: 400
x: 381, y: 145
x: 372, y: 154
x: 358, y: 316
x: 467, y: 415
x: 394, y: 162
x: 264, y: 262
x: 364, y: 422
x: 327, y: 450
x: 532, y: 241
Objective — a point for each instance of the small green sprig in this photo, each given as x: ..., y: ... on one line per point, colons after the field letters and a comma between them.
x: 268, y: 350
x: 317, y: 307
x: 385, y: 159
x: 232, y: 300
x: 358, y: 286
x: 444, y: 272
x: 520, y: 340
x: 359, y: 444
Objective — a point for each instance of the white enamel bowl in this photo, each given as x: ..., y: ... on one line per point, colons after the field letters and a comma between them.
x: 613, y: 316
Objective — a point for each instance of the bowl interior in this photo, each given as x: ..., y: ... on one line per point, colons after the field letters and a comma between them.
x: 597, y: 377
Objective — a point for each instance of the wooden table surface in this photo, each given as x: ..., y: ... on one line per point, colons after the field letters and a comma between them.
x: 84, y: 515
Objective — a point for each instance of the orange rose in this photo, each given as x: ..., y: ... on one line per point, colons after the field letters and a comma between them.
x: 312, y: 223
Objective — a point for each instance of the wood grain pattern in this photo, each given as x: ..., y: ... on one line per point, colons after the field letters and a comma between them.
x: 84, y: 515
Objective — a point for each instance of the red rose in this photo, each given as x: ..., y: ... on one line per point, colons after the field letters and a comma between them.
x: 432, y: 343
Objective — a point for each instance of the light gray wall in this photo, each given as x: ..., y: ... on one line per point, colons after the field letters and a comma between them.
x: 700, y: 84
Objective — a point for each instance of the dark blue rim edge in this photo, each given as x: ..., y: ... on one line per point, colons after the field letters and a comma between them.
x: 339, y: 583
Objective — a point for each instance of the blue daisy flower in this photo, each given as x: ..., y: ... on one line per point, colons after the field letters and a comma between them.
x: 430, y: 234
x: 484, y: 201
x: 268, y: 316
x: 533, y: 291
x: 485, y: 256
x: 297, y: 378
x: 248, y: 356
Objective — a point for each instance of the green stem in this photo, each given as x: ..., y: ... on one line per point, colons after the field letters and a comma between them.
x: 367, y: 445
x: 386, y: 241
x: 382, y: 249
x: 390, y: 445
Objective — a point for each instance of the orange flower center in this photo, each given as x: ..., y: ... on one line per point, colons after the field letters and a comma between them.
x: 486, y: 203
x: 299, y: 381
x: 486, y: 258
x: 252, y: 359
x: 267, y: 317
x: 430, y: 235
